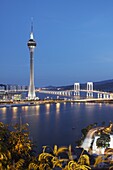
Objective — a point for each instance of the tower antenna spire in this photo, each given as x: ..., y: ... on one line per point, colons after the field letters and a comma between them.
x: 31, y: 34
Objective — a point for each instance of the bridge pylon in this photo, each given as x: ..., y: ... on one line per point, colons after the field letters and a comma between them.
x: 89, y: 89
x: 76, y: 89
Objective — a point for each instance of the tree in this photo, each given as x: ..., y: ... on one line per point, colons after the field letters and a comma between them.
x: 16, y: 149
x: 103, y: 141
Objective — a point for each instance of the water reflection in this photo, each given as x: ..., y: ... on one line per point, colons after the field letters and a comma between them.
x: 37, y: 109
x: 14, y: 112
x: 25, y: 108
x: 47, y: 108
x: 90, y: 106
x: 14, y: 109
x: 100, y: 105
x: 57, y: 115
x: 57, y: 108
x: 3, y: 112
x: 64, y: 105
x: 71, y: 103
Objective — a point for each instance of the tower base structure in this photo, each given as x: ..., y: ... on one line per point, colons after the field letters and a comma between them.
x: 31, y: 94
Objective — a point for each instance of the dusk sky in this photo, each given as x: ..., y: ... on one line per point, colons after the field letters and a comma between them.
x: 74, y: 41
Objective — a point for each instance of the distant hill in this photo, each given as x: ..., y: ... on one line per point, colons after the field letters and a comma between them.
x: 106, y: 85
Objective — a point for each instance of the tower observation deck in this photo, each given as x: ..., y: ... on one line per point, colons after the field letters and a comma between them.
x: 31, y: 45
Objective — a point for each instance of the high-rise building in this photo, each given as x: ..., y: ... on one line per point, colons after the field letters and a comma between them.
x: 31, y: 44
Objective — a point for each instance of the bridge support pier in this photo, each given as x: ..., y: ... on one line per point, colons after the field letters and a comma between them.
x: 69, y: 93
x: 99, y: 95
x: 89, y: 89
x: 111, y: 96
x: 106, y: 96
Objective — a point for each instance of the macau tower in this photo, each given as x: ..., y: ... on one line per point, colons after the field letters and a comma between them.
x: 31, y: 45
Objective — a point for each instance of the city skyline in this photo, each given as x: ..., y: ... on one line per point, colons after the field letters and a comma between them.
x: 75, y: 41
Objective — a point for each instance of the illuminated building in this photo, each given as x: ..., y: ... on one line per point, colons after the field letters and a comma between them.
x: 31, y: 45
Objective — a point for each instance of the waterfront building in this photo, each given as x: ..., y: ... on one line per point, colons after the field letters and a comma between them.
x: 17, y: 97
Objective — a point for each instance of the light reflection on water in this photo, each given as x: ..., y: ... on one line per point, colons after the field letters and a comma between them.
x: 14, y: 112
x: 14, y: 109
x: 25, y: 108
x: 53, y: 123
x: 72, y: 103
x: 90, y: 106
x: 100, y: 105
x: 57, y: 108
x: 4, y: 109
x: 47, y: 105
x: 37, y: 110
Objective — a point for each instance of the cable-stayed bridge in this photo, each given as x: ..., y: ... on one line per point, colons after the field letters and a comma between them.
x: 78, y: 93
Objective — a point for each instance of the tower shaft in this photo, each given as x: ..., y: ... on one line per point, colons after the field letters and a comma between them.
x: 31, y: 93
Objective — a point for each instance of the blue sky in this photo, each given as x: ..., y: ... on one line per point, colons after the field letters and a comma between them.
x: 74, y: 41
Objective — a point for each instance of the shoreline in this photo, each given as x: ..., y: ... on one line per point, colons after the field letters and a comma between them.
x: 38, y: 102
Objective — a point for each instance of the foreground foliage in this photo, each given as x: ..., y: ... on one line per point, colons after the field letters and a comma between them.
x: 16, y: 149
x: 17, y: 153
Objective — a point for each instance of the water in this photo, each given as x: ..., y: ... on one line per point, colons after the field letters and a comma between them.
x: 59, y: 123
